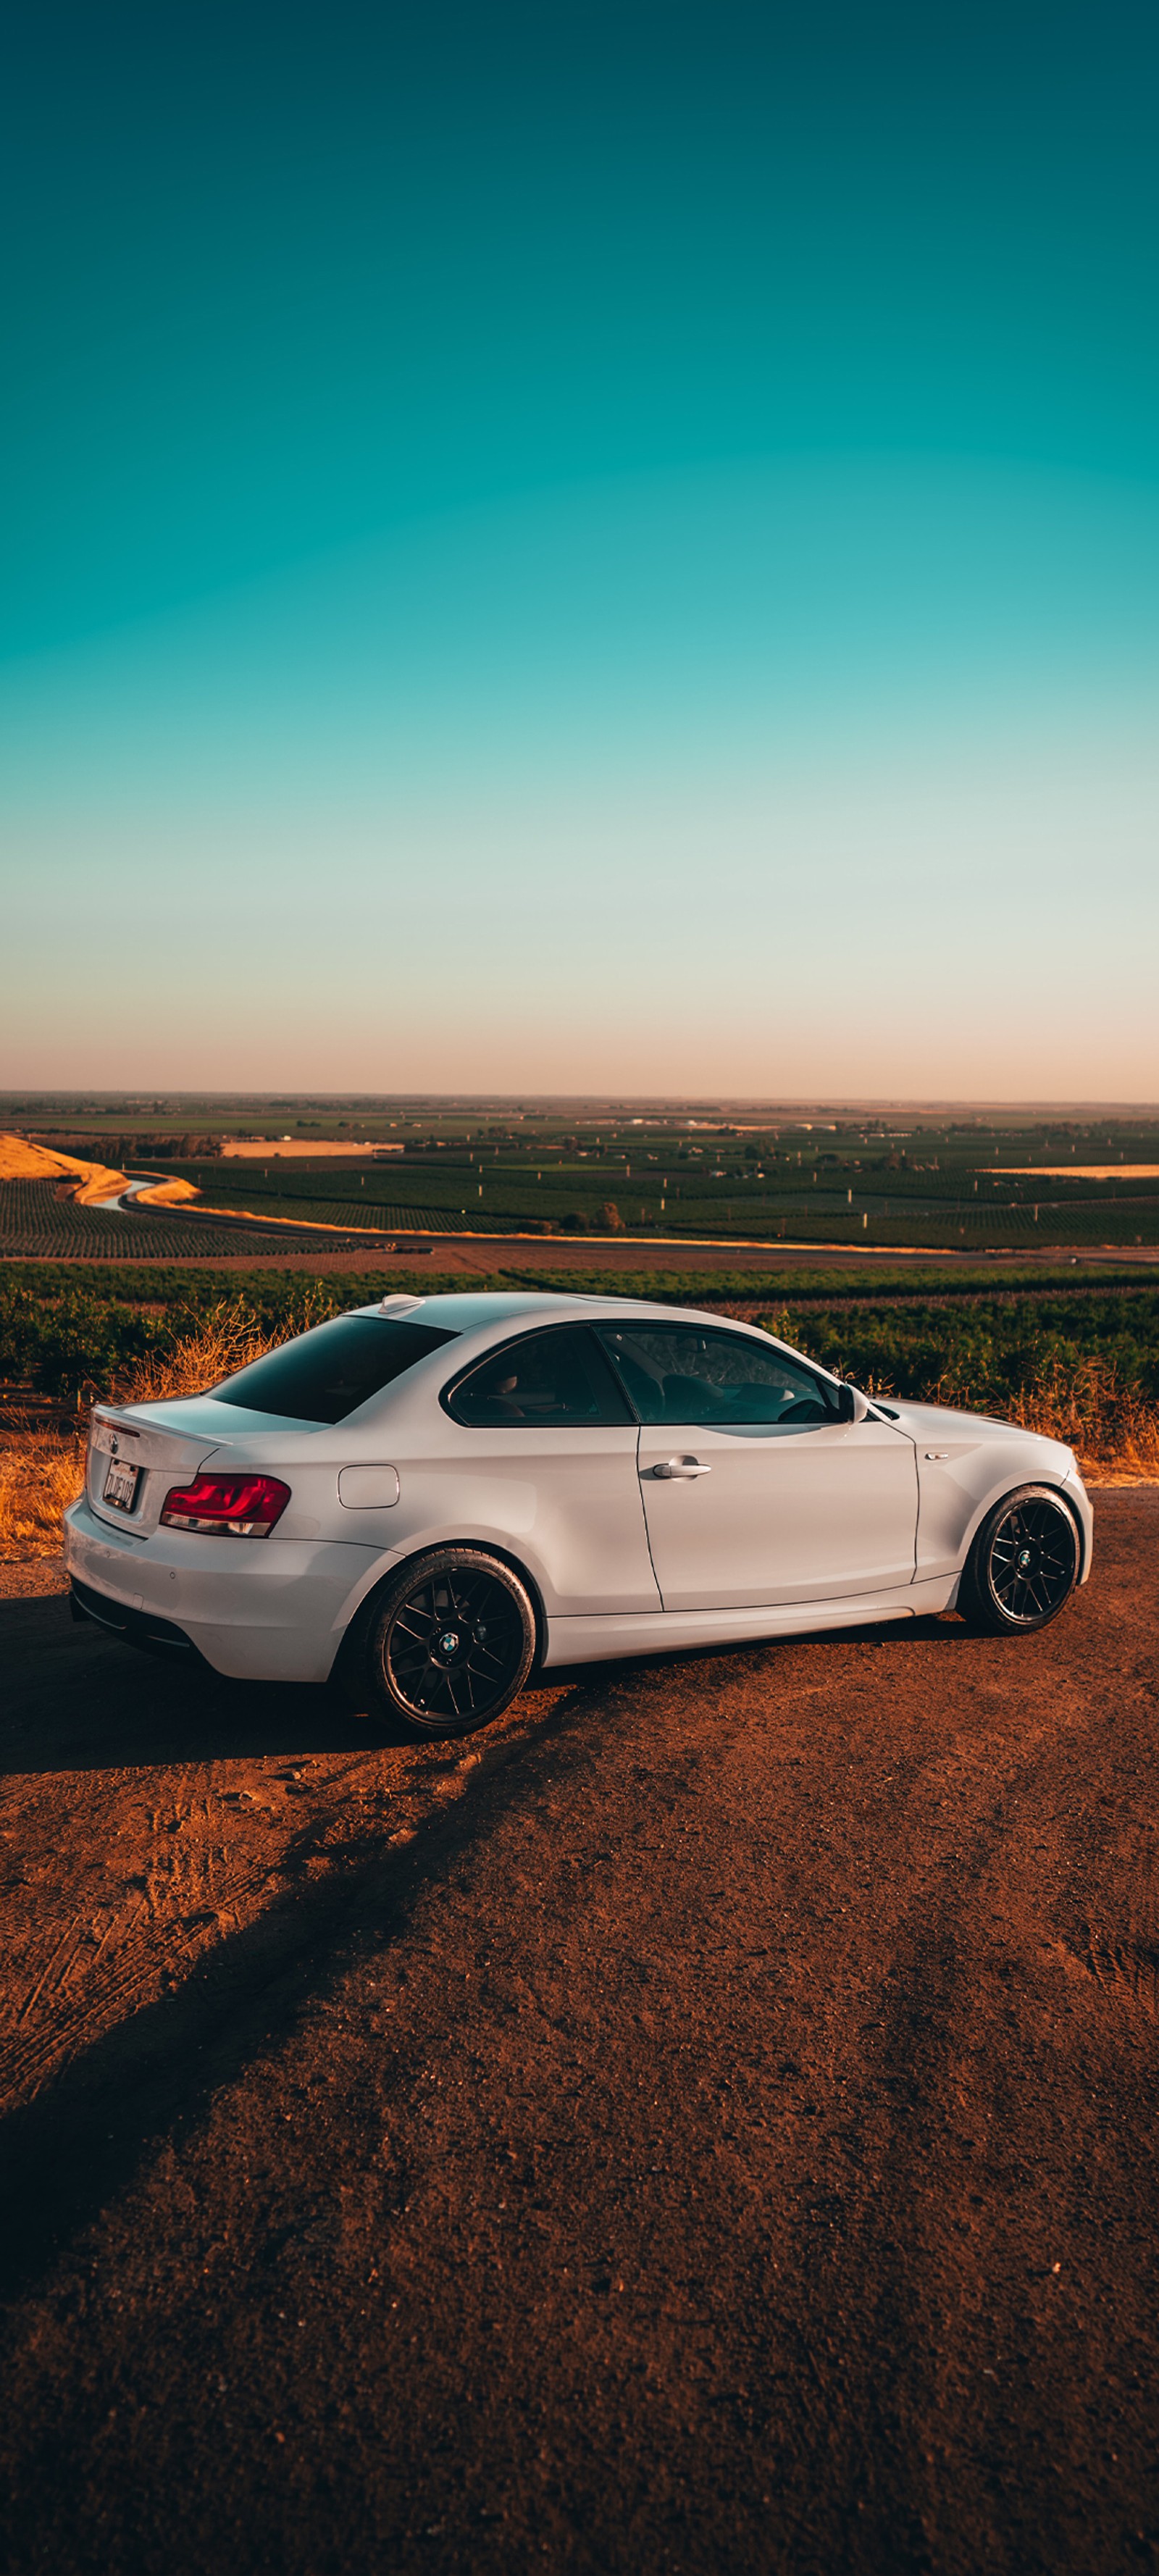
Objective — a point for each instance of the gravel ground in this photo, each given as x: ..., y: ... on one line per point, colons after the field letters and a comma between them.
x: 705, y: 2122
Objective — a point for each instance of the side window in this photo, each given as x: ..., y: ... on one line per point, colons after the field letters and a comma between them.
x: 676, y: 1373
x: 549, y: 1379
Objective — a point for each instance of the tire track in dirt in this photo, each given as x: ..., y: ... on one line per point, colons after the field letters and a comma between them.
x: 1123, y: 1958
x: 177, y: 1857
x: 167, y: 1940
x: 1126, y: 1972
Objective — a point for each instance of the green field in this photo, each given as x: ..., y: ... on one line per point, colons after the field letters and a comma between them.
x: 962, y: 1184
x: 441, y: 1194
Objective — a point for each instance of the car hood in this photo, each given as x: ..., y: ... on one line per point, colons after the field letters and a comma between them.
x: 926, y: 1423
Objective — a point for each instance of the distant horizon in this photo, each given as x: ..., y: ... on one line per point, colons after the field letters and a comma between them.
x: 156, y: 1100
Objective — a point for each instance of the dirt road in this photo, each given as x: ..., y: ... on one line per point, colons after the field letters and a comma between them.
x: 708, y: 2122
x: 521, y: 1257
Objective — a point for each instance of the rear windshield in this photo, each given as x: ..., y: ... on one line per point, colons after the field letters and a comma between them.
x: 328, y: 1373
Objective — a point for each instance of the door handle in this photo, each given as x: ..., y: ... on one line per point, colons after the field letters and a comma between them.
x: 670, y: 1468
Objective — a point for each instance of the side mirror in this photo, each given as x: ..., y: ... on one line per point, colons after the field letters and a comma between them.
x: 855, y: 1407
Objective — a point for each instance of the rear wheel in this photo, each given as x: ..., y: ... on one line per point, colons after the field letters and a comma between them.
x: 453, y: 1641
x: 1023, y: 1565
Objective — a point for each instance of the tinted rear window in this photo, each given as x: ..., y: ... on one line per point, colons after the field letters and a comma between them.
x: 328, y: 1373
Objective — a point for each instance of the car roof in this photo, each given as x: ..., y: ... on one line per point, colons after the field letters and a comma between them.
x: 474, y: 1311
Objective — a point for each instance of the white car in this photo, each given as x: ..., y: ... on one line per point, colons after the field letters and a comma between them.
x: 432, y: 1496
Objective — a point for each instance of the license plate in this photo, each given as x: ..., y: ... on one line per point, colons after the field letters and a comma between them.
x: 121, y: 1484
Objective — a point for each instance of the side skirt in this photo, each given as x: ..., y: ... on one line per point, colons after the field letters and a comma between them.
x: 597, y: 1639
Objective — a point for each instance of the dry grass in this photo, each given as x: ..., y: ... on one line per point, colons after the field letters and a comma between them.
x: 20, y: 1161
x: 167, y: 1194
x: 225, y: 1339
x: 41, y: 1473
x: 1113, y: 1432
x: 1108, y: 1424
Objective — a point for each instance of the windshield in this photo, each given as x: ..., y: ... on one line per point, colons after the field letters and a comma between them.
x: 328, y: 1373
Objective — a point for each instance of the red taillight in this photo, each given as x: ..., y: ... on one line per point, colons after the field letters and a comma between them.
x: 226, y: 1506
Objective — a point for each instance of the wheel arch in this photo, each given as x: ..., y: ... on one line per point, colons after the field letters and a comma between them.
x: 977, y: 1598
x: 352, y: 1642
x: 1002, y: 1493
x: 1086, y: 1536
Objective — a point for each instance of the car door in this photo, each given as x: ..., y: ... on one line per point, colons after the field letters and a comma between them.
x: 546, y: 1455
x: 756, y: 1491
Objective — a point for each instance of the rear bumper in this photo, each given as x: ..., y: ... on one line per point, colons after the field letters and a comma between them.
x: 138, y: 1627
x: 257, y: 1609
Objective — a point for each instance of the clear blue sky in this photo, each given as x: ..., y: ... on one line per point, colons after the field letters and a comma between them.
x: 590, y: 546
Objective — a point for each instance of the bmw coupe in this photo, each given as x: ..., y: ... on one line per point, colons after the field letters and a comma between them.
x: 432, y: 1497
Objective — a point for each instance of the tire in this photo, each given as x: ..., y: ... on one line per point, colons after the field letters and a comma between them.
x: 1023, y: 1565
x: 440, y: 1687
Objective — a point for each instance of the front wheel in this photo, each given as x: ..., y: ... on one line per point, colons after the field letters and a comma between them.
x: 1023, y: 1565
x: 453, y: 1641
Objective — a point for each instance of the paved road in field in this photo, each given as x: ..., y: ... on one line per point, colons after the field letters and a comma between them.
x: 708, y: 2123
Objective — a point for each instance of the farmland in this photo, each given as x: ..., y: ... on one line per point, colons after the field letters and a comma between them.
x: 971, y: 1184
x: 38, y: 1221
x: 439, y: 1192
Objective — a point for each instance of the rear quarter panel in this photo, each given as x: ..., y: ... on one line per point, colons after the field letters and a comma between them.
x: 565, y: 1504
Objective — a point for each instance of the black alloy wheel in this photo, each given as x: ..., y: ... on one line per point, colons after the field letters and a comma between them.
x: 1024, y: 1563
x: 453, y: 1641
